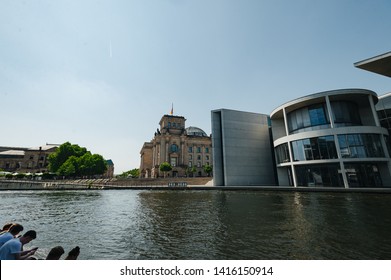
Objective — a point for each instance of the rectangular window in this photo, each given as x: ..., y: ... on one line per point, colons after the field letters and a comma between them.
x: 173, y: 161
x: 190, y: 163
x: 207, y: 150
x: 198, y: 149
x: 190, y: 149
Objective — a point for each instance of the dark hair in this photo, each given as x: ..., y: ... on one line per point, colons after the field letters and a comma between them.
x: 55, y: 253
x: 7, y: 226
x: 31, y: 233
x: 15, y: 229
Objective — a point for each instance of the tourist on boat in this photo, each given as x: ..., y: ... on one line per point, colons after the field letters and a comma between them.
x: 12, y: 249
x: 73, y: 254
x: 12, y: 232
x: 55, y: 253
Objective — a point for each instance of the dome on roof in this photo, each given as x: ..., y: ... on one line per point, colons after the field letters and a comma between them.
x: 195, y: 131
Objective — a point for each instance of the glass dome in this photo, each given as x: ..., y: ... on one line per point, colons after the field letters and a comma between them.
x: 195, y: 131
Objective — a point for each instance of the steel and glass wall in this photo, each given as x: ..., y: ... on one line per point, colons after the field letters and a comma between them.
x: 331, y: 139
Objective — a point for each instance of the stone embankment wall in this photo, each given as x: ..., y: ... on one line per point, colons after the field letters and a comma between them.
x: 41, y: 185
x: 98, y: 183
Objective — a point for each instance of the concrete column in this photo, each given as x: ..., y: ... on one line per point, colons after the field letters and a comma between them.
x: 373, y: 109
x: 341, y: 164
x: 166, y: 152
x: 162, y: 150
x: 329, y: 111
x: 290, y: 150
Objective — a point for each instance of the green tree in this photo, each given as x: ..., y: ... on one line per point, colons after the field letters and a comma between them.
x: 72, y: 160
x: 208, y: 169
x: 165, y: 167
x: 69, y: 167
x: 61, y: 155
x: 134, y: 173
x: 191, y: 171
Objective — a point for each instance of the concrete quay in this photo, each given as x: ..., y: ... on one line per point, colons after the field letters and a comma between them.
x: 13, y: 185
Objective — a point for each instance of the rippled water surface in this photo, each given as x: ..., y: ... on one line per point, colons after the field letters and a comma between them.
x: 136, y: 224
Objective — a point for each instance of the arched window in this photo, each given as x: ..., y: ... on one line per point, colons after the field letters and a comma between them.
x: 174, y: 148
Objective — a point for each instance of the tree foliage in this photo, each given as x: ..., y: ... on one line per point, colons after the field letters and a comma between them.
x: 191, y: 170
x: 72, y: 160
x: 134, y: 173
x: 208, y: 169
x: 165, y: 167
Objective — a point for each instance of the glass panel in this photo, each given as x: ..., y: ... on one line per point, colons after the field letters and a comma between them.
x: 308, y: 118
x: 282, y: 153
x: 360, y: 145
x: 363, y: 175
x: 325, y: 175
x: 314, y: 148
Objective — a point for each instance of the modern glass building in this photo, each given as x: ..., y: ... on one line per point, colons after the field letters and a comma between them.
x: 331, y: 139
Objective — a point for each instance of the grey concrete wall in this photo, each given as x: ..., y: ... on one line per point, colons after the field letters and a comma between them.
x: 217, y: 149
x: 242, y: 149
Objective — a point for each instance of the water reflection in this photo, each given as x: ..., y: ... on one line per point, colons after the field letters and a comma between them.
x: 128, y: 224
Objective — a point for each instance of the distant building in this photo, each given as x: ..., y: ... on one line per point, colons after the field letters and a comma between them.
x: 110, y: 169
x: 184, y: 148
x: 18, y: 159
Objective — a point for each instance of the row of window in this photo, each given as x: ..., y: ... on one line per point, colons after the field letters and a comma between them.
x: 198, y: 164
x: 316, y: 117
x: 329, y: 175
x: 199, y: 157
x: 198, y: 149
x: 174, y: 125
x: 174, y: 162
x: 174, y: 149
x: 317, y: 148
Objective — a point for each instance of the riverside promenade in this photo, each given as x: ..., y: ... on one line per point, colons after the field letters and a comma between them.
x: 201, y: 183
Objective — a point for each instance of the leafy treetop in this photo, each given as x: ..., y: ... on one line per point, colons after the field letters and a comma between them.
x: 73, y: 160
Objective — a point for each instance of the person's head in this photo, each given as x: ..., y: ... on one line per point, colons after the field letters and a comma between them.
x: 15, y: 229
x: 28, y: 236
x: 55, y: 253
x: 73, y: 254
x: 7, y: 226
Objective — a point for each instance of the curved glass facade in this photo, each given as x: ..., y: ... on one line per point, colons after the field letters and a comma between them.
x: 314, y: 148
x: 360, y: 145
x: 326, y: 146
x: 345, y: 113
x: 308, y: 118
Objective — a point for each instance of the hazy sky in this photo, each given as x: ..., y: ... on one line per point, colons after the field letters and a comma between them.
x: 101, y: 74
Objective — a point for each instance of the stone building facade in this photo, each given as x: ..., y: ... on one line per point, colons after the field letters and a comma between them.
x: 184, y: 148
x: 18, y: 159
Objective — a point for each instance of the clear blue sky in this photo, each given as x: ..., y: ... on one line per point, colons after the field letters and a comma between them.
x: 102, y: 73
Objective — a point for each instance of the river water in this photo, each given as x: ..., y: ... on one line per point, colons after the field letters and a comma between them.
x: 144, y: 224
